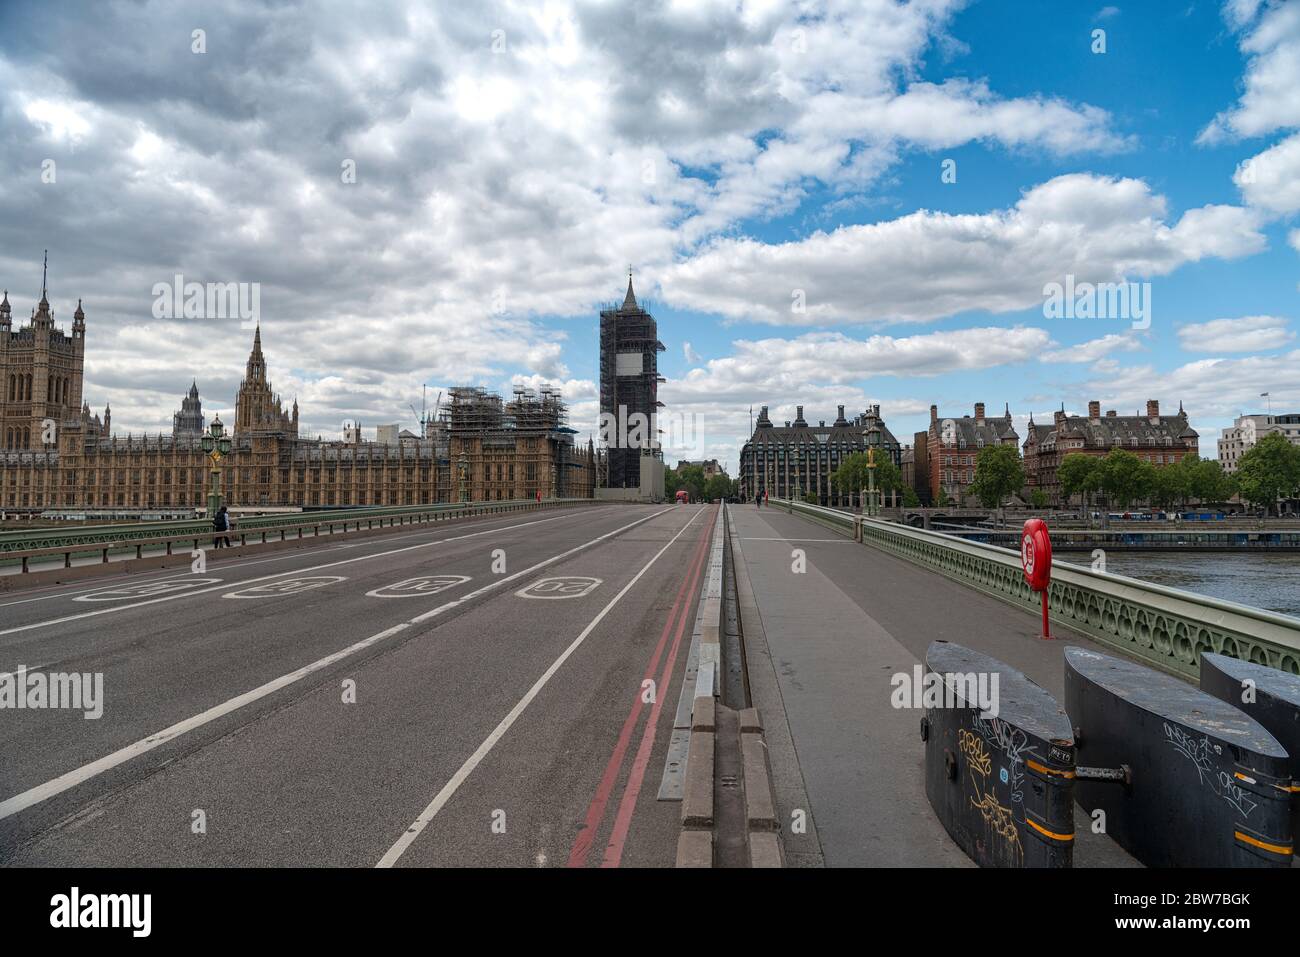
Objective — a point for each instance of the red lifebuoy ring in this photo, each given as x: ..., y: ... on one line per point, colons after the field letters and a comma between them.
x: 1036, y: 554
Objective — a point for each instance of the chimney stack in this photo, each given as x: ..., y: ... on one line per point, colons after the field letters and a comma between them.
x: 1111, y: 413
x: 1094, y: 411
x: 979, y: 413
x: 934, y: 413
x: 1153, y: 410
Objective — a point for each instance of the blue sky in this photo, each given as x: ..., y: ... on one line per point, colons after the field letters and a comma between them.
x: 514, y: 159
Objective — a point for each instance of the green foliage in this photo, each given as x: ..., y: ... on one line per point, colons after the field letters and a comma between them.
x: 1270, y: 470
x: 1078, y: 474
x: 998, y: 473
x: 910, y: 498
x: 688, y: 477
x: 719, y: 487
x: 1038, y: 498
x: 1125, y: 478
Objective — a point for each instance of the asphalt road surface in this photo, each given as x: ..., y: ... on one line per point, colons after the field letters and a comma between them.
x: 486, y: 692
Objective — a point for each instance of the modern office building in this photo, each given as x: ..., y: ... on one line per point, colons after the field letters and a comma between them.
x: 1246, y: 430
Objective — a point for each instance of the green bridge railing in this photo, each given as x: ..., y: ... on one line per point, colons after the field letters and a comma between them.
x: 31, y: 539
x: 1166, y: 627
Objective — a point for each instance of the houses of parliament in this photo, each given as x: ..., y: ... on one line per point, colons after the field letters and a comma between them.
x: 57, y: 455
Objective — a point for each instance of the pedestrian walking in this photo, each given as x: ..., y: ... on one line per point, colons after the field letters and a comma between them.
x: 220, y: 525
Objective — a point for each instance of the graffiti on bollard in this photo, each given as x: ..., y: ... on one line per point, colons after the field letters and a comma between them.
x: 1270, y: 696
x: 1225, y: 775
x: 1001, y: 786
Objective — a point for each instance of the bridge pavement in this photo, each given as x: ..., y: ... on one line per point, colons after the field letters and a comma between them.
x: 835, y: 634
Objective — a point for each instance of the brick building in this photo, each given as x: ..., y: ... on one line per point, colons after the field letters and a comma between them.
x: 1160, y: 440
x: 952, y: 445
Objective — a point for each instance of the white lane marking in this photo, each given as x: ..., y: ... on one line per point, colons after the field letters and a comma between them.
x: 251, y: 581
x: 305, y: 552
x: 449, y: 789
x: 290, y: 586
x: 146, y: 589
x: 77, y: 776
x: 568, y: 586
x: 418, y: 587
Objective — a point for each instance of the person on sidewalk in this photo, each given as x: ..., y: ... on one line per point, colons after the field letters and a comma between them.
x: 220, y: 525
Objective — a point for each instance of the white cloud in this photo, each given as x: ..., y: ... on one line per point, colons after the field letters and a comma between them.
x: 926, y: 265
x: 692, y: 357
x: 1246, y: 334
x: 1094, y: 350
x: 614, y: 133
x: 1271, y: 179
x: 1272, y: 45
x: 1210, y: 389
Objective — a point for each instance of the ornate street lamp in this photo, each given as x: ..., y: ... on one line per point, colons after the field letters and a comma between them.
x: 216, y: 444
x: 873, y: 446
x: 463, y: 468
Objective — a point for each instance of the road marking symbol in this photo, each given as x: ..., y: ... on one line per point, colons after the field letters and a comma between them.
x: 147, y: 589
x: 564, y: 586
x: 418, y: 587
x: 290, y: 586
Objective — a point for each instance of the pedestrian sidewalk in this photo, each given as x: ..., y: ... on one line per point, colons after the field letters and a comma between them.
x: 822, y: 646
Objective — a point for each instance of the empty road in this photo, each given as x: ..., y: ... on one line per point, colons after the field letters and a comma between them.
x: 484, y: 692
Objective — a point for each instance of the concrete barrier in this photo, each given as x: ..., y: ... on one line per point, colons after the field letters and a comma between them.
x: 999, y: 783
x: 1269, y: 696
x: 1180, y: 778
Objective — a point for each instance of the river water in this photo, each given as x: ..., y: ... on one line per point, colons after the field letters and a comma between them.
x: 1263, y: 581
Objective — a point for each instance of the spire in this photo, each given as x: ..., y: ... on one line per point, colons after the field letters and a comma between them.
x: 629, y: 301
x: 194, y: 388
x: 45, y: 268
x: 5, y: 309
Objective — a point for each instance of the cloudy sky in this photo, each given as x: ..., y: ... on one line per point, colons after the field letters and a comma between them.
x: 824, y: 203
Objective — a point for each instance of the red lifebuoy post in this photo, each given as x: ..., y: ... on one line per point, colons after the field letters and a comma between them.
x: 1036, y: 560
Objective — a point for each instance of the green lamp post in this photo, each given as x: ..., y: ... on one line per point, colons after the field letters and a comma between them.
x: 217, y: 445
x: 873, y: 446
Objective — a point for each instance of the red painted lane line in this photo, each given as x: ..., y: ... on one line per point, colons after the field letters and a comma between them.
x: 596, y: 810
x: 632, y: 790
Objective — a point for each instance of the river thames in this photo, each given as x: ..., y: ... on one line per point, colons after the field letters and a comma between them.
x: 1263, y: 581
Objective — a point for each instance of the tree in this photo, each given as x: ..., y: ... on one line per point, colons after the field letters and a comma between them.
x: 1207, y: 482
x: 1171, y: 485
x: 1038, y: 498
x: 1077, y: 474
x: 686, y: 476
x: 998, y: 473
x: 1124, y: 477
x: 719, y: 487
x: 851, y: 476
x: 1269, y: 470
x: 944, y: 499
x: 910, y: 498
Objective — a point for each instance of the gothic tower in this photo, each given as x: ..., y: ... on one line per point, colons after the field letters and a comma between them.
x: 40, y: 375
x: 257, y: 407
